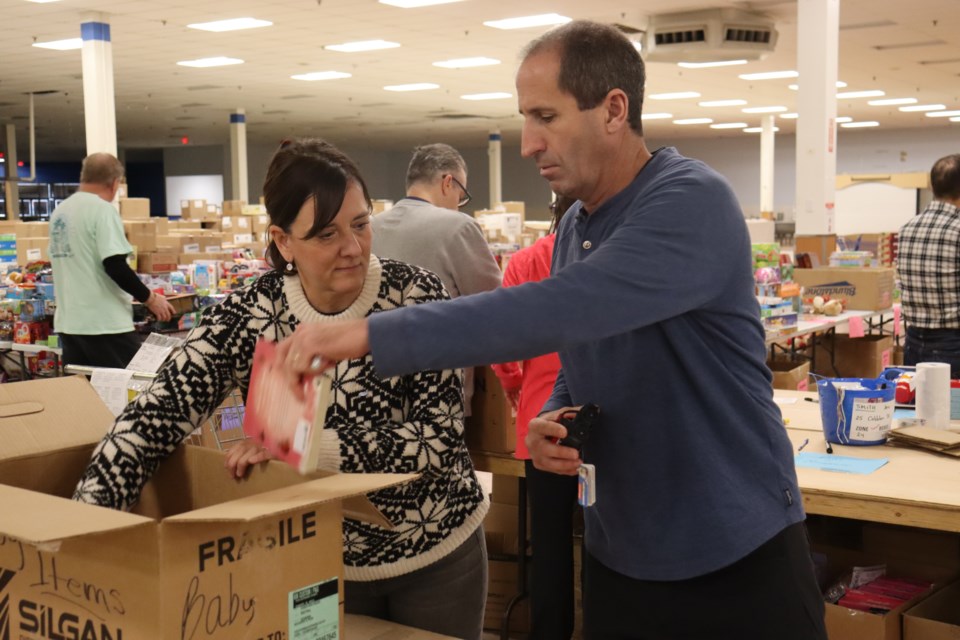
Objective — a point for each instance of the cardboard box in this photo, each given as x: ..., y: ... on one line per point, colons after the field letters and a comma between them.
x: 32, y: 249
x: 184, y: 225
x: 134, y: 208
x: 192, y: 209
x: 203, y: 556
x: 31, y: 229
x: 790, y: 374
x: 864, y: 289
x: 365, y: 628
x: 190, y: 258
x: 820, y: 246
x: 157, y: 262
x: 936, y: 618
x: 501, y: 588
x: 492, y: 425
x: 862, y: 357
x: 233, y: 207
x: 260, y: 225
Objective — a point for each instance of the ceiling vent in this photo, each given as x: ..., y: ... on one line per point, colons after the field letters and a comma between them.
x: 711, y: 35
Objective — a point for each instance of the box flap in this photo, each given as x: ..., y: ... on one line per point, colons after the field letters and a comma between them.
x: 46, y: 415
x: 334, y: 487
x: 38, y: 518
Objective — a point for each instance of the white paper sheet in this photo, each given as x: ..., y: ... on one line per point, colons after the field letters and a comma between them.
x: 111, y: 386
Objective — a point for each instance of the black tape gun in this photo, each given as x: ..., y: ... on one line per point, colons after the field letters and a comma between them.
x: 579, y: 424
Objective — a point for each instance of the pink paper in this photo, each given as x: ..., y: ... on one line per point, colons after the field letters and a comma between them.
x: 885, y: 358
x: 896, y: 320
x: 856, y: 327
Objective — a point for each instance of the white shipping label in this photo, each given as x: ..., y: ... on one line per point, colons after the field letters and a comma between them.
x: 242, y: 238
x: 33, y: 254
x: 243, y: 223
x: 871, y: 419
x: 191, y: 248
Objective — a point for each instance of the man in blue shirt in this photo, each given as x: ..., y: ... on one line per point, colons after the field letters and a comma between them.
x: 697, y: 530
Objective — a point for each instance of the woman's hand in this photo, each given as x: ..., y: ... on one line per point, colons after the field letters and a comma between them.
x: 314, y: 348
x: 546, y: 454
x: 243, y: 455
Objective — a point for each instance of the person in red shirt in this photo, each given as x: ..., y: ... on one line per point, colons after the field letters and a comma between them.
x: 552, y: 497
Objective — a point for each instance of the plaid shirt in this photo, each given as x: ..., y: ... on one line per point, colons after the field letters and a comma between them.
x: 928, y: 264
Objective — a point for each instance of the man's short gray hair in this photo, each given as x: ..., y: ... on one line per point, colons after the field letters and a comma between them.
x: 101, y: 168
x: 430, y: 161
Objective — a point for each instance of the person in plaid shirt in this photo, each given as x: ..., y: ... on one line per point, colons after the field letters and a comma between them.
x: 929, y: 269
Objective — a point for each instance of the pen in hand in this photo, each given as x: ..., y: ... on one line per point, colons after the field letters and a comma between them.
x: 814, y: 400
x: 803, y: 444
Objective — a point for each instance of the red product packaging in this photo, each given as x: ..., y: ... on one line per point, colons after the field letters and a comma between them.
x: 289, y: 428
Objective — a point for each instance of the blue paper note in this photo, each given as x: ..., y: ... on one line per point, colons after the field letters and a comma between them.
x: 842, y: 464
x: 901, y: 413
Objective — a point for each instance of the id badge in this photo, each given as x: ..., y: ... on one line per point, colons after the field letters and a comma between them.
x: 586, y: 485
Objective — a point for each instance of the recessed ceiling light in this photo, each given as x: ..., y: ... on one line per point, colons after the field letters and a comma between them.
x: 362, y: 45
x: 495, y: 95
x: 860, y: 125
x: 722, y: 103
x: 769, y: 75
x: 218, y: 61
x: 416, y: 86
x: 314, y: 76
x: 890, y: 102
x: 61, y: 45
x: 233, y: 24
x: 707, y: 65
x: 943, y: 114
x: 693, y: 121
x: 729, y: 125
x: 795, y: 87
x: 789, y: 116
x: 776, y: 109
x: 677, y: 95
x: 541, y: 20
x: 413, y: 4
x: 656, y: 116
x: 873, y: 93
x: 924, y: 107
x: 758, y: 129
x: 463, y: 63
x: 842, y: 119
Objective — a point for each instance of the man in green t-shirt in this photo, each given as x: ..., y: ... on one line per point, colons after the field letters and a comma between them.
x: 93, y: 283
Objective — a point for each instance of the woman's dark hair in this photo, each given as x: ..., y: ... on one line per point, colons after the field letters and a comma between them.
x: 557, y: 208
x: 303, y: 169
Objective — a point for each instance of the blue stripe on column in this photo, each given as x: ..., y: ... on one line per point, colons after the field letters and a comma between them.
x: 95, y: 31
x: 237, y: 118
x: 494, y: 137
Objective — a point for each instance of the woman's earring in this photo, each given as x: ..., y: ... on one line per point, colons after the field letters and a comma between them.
x: 289, y: 267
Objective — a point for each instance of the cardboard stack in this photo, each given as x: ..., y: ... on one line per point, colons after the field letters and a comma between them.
x: 491, y: 425
x: 134, y: 208
x: 202, y: 555
x: 500, y: 530
x: 33, y: 239
x: 863, y: 289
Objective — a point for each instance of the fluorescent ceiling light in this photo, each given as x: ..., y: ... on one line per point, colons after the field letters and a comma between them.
x: 233, y: 24
x: 860, y: 125
x: 219, y: 61
x: 769, y: 75
x: 495, y: 95
x: 42, y: 1
x: 789, y: 116
x: 637, y: 45
x: 758, y: 129
x: 693, y: 121
x: 313, y: 76
x: 873, y: 93
x: 707, y: 65
x: 924, y: 107
x: 795, y: 87
x: 362, y: 45
x: 677, y: 95
x: 463, y: 63
x: 842, y: 119
x: 541, y: 20
x: 416, y: 86
x: 764, y: 109
x: 943, y: 114
x: 413, y: 4
x: 722, y: 103
x: 956, y: 119
x: 656, y: 116
x: 61, y: 45
x: 890, y: 102
x: 729, y: 125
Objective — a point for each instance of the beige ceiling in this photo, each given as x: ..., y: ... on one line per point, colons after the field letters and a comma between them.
x: 158, y: 102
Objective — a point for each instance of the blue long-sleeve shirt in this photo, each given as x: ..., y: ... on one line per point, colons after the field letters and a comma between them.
x: 651, y: 308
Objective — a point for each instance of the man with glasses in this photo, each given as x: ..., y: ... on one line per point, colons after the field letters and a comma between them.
x: 426, y: 229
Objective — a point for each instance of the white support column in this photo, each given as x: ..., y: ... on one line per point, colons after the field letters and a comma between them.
x: 817, y: 24
x: 238, y: 155
x: 766, y: 166
x: 496, y: 169
x: 10, y: 187
x: 99, y: 107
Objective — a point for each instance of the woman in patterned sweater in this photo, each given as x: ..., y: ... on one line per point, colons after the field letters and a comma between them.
x: 430, y: 570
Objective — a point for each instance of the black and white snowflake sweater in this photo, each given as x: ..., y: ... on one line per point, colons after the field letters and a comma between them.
x: 406, y: 424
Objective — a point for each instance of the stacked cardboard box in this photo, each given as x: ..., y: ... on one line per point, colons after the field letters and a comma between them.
x: 491, y: 425
x: 864, y: 289
x: 134, y: 208
x: 500, y: 530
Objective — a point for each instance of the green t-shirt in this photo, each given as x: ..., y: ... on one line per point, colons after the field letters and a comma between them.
x: 84, y: 230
